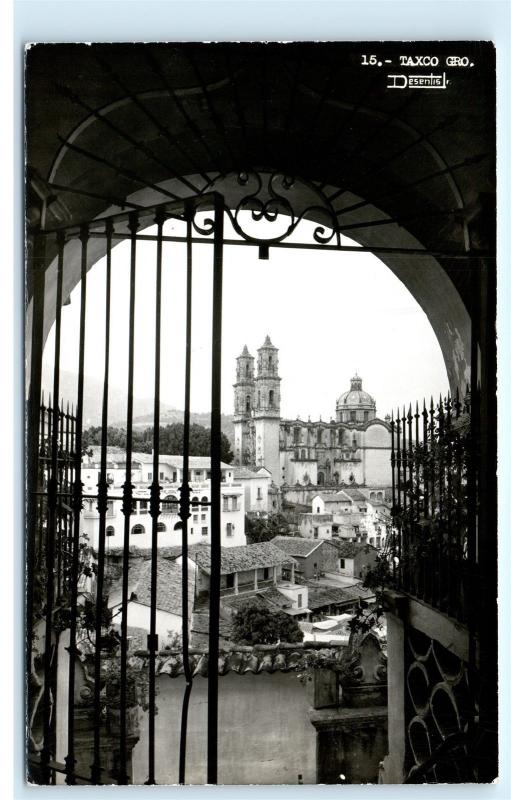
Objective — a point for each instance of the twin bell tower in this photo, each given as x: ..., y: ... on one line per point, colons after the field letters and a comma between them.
x: 257, y: 409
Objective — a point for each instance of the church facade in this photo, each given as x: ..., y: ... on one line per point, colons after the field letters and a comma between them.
x: 352, y: 448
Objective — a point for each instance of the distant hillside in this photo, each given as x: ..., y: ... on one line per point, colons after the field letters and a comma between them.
x: 142, y: 406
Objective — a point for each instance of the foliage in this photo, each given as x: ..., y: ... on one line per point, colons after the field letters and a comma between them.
x: 137, y: 683
x: 264, y: 529
x: 254, y: 625
x: 171, y: 440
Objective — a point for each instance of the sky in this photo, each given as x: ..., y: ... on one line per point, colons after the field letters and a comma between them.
x: 331, y: 314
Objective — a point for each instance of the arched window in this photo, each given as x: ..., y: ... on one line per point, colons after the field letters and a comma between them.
x: 270, y: 398
x: 247, y: 403
x: 371, y: 496
x: 178, y: 526
x: 204, y: 500
x: 303, y: 456
x: 247, y: 369
x: 320, y: 435
x: 195, y: 501
x: 270, y: 361
x: 321, y: 479
x: 137, y: 529
x: 379, y: 496
x: 170, y: 504
x: 110, y: 531
x: 161, y: 527
x: 297, y: 455
x: 339, y: 439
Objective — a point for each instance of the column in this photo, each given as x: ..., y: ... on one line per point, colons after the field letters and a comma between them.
x: 235, y: 583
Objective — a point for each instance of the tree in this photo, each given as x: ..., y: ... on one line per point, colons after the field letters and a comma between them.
x: 255, y: 625
x: 264, y: 529
x: 171, y: 440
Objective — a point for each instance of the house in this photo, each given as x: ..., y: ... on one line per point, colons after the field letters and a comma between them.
x: 315, y: 526
x: 170, y: 478
x: 355, y: 516
x: 355, y: 558
x: 169, y: 587
x: 242, y: 569
x: 313, y: 556
x: 262, y: 496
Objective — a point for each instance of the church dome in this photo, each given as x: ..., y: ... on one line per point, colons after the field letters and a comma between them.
x: 354, y: 400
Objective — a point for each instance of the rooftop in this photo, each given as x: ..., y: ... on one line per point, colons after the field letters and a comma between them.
x: 116, y: 455
x: 168, y: 583
x: 242, y: 557
x: 296, y: 545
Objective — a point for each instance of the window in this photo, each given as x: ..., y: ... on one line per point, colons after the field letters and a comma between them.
x: 204, y: 531
x: 195, y: 517
x: 270, y: 398
x: 274, y: 504
x: 303, y: 456
x: 191, y: 530
x: 110, y: 531
x: 297, y: 455
x: 299, y: 601
x: 318, y: 510
x: 178, y: 526
x: 161, y: 527
x: 339, y: 438
x: 174, y: 477
x: 137, y: 529
x: 202, y: 517
x: 266, y: 573
x: 149, y: 476
x: 320, y: 435
x: 195, y: 501
x: 110, y: 508
x: 229, y: 580
x: 259, y: 493
x: 204, y: 500
x: 247, y: 369
x: 162, y: 475
x: 296, y: 434
x: 234, y: 503
x: 144, y: 507
x: 366, y: 416
x: 316, y: 533
x: 229, y: 529
x: 225, y: 504
x: 247, y: 403
x: 342, y: 564
x: 270, y: 359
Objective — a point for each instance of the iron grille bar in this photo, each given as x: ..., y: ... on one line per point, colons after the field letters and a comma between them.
x: 216, y: 477
x: 51, y: 536
x: 127, y: 507
x: 184, y: 505
x: 34, y: 431
x: 102, y: 509
x: 77, y: 508
x: 395, y: 251
x: 154, y: 507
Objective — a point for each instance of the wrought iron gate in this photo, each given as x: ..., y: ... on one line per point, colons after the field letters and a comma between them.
x: 56, y: 494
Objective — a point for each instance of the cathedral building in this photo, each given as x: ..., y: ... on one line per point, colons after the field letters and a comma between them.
x: 352, y: 448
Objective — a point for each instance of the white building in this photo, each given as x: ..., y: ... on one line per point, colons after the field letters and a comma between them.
x: 354, y: 517
x: 170, y: 468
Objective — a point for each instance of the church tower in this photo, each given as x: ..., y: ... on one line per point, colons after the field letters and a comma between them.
x: 244, y: 393
x: 267, y: 409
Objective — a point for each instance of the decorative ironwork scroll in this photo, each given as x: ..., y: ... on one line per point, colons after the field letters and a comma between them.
x: 281, y: 200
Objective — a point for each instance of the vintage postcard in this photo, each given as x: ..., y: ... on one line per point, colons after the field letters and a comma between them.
x: 261, y: 540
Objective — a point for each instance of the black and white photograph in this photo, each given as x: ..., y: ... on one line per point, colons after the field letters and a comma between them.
x: 261, y: 417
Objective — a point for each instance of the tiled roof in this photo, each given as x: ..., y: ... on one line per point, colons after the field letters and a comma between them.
x: 242, y: 557
x: 320, y: 596
x: 359, y: 591
x: 333, y: 498
x: 296, y: 545
x: 354, y: 493
x: 245, y: 472
x: 352, y: 549
x: 247, y: 659
x: 169, y: 586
